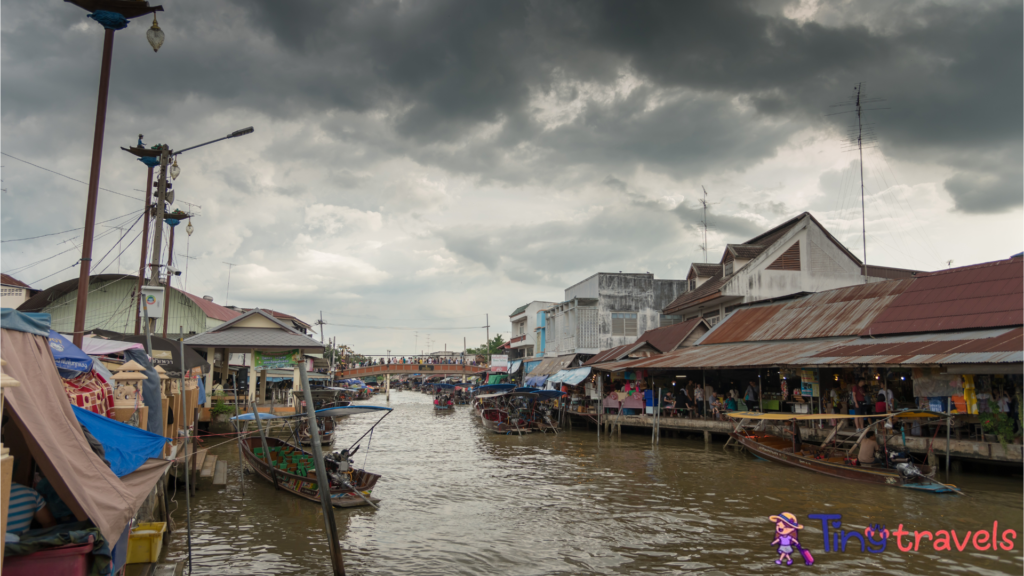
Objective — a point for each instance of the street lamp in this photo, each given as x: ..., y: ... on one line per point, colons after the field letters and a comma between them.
x: 161, y: 155
x: 113, y: 15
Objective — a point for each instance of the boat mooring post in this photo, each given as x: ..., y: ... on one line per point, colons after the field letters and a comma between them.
x: 188, y: 503
x: 263, y: 438
x: 323, y: 484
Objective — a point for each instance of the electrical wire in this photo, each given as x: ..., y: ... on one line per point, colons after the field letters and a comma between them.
x: 70, y: 178
x: 66, y: 231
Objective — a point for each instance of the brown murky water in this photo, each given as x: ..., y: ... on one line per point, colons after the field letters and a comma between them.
x: 459, y: 500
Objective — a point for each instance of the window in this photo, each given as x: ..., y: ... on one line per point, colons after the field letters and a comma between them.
x: 693, y: 285
x: 668, y: 320
x: 728, y: 267
x: 623, y: 324
x: 712, y: 318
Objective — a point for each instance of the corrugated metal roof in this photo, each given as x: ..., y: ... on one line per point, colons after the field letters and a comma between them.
x: 994, y: 346
x: 829, y: 314
x: 980, y: 296
x: 667, y: 338
x: 740, y: 355
x: 614, y: 353
x: 549, y: 366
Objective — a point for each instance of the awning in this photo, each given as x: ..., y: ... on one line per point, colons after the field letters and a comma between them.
x: 43, y: 415
x: 70, y: 359
x: 536, y: 381
x: 125, y: 447
x: 495, y: 378
x: 574, y: 377
x: 516, y: 365
x: 99, y: 347
x: 549, y: 366
x: 166, y: 352
x: 740, y: 355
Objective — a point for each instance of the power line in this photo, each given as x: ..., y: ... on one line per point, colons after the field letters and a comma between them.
x: 69, y: 177
x: 66, y: 231
x: 403, y: 327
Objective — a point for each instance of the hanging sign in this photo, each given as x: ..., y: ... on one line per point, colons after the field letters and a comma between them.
x: 499, y: 363
x: 283, y: 359
x: 152, y: 301
x: 809, y: 383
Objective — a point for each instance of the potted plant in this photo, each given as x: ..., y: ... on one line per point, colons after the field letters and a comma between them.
x: 999, y: 425
x: 220, y: 411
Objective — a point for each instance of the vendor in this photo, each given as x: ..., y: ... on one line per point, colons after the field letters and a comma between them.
x: 25, y: 505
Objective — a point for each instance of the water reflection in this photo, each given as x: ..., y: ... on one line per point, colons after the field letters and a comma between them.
x: 460, y: 500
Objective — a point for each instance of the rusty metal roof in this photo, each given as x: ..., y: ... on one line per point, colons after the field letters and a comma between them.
x: 739, y: 355
x: 668, y: 338
x: 970, y: 297
x: 829, y: 314
x: 992, y: 346
x: 8, y: 280
x: 614, y: 353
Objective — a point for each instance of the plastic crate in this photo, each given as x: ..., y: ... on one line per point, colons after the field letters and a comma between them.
x: 71, y: 560
x: 145, y: 542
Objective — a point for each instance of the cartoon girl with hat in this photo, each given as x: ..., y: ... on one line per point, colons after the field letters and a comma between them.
x: 786, y: 536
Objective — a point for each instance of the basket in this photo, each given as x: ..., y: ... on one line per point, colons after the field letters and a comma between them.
x: 145, y: 542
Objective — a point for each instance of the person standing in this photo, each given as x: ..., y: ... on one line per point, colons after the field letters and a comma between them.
x: 859, y: 403
x: 750, y: 397
x: 698, y: 399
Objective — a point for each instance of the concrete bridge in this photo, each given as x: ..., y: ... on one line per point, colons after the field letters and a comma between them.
x: 409, y: 369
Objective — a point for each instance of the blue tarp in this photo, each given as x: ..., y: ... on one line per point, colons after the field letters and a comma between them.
x: 526, y: 389
x: 70, y: 359
x: 576, y: 376
x: 32, y: 322
x: 549, y: 394
x: 126, y: 447
x: 557, y: 377
x: 536, y: 381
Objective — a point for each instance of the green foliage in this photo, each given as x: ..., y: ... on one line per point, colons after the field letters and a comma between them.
x: 999, y: 424
x: 219, y: 408
x: 492, y: 347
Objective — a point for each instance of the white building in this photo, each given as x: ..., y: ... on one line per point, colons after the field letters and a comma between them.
x: 13, y: 292
x: 524, y: 340
x: 798, y: 256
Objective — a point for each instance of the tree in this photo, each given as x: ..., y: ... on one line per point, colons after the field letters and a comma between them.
x: 494, y: 346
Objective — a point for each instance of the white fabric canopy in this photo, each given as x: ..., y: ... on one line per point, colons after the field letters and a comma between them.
x: 100, y: 347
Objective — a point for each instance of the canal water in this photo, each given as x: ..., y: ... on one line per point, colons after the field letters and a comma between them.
x: 457, y: 499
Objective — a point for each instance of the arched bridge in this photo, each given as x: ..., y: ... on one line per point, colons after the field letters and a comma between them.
x: 409, y: 369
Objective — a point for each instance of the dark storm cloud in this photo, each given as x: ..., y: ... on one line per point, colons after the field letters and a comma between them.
x: 720, y: 85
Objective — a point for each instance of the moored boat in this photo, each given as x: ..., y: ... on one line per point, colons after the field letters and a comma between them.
x: 832, y: 460
x: 326, y: 426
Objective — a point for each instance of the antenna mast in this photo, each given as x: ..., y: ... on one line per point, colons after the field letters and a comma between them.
x: 704, y: 223
x: 228, y: 289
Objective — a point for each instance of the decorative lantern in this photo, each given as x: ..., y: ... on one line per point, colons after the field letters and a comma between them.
x: 175, y: 171
x: 170, y: 387
x: 126, y: 393
x: 155, y: 35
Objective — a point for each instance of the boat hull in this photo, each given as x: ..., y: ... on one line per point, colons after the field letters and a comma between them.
x: 774, y: 449
x: 307, y: 487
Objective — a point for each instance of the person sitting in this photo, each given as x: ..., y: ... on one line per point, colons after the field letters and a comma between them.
x: 868, y: 446
x: 24, y: 506
x: 730, y: 402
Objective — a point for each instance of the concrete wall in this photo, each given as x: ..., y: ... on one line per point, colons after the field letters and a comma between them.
x: 12, y: 296
x: 637, y: 293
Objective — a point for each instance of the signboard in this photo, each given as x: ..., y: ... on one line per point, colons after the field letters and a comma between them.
x: 809, y: 383
x: 152, y: 301
x: 499, y: 363
x: 269, y: 360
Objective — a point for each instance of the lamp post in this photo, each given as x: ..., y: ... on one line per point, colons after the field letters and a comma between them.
x: 113, y: 15
x: 161, y: 156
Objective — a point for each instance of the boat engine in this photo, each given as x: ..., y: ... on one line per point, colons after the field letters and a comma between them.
x: 338, y: 464
x: 908, y: 470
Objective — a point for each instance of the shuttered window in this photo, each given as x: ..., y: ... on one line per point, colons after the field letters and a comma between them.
x: 668, y: 319
x: 623, y: 324
x: 789, y: 260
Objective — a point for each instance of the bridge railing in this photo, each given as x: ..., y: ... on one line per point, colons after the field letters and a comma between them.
x: 413, y: 369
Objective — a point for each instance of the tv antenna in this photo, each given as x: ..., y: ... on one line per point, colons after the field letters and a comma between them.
x: 859, y: 135
x: 187, y: 258
x: 228, y: 289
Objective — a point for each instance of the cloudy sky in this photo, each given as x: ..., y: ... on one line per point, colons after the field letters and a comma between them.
x: 421, y: 164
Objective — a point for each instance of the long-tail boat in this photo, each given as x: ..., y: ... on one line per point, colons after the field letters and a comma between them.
x: 833, y: 461
x: 293, y: 469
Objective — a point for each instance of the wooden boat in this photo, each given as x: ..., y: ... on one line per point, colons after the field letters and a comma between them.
x: 305, y: 486
x: 326, y: 426
x: 829, y: 460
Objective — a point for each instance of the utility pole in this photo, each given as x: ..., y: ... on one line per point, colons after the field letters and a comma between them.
x: 158, y: 225
x: 321, y: 323
x: 488, y: 344
x: 704, y: 223
x: 145, y: 244
x: 167, y: 289
x: 860, y: 150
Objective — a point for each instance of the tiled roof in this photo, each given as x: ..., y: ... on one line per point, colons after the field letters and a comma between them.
x: 519, y: 310
x: 667, y: 338
x: 8, y: 280
x: 747, y: 251
x: 705, y: 270
x: 212, y: 310
x: 281, y: 316
x: 981, y: 296
x: 252, y: 338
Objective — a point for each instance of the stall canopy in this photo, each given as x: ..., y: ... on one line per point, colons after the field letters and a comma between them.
x: 495, y: 378
x: 41, y: 411
x: 516, y: 365
x: 495, y: 388
x: 101, y: 347
x: 166, y: 351
x: 570, y: 377
x: 125, y: 447
x: 70, y: 359
x: 536, y: 381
